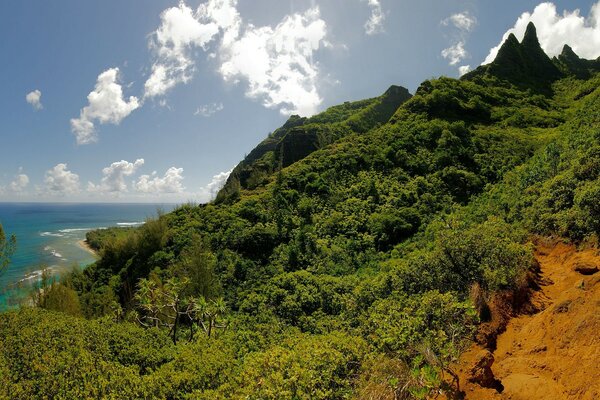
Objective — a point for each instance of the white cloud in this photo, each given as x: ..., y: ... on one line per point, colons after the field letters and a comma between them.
x: 375, y: 22
x: 555, y: 30
x: 455, y: 53
x: 19, y: 183
x: 59, y: 180
x: 463, y: 69
x: 209, y: 192
x: 463, y: 21
x: 224, y: 13
x: 106, y: 105
x: 171, y: 182
x: 277, y: 62
x: 113, y: 180
x: 209, y: 109
x: 181, y: 30
x: 35, y: 99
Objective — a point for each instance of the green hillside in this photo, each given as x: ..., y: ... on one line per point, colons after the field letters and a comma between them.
x: 299, y: 137
x: 351, y: 255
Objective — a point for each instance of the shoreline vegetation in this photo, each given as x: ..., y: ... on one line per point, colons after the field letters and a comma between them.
x: 86, y: 246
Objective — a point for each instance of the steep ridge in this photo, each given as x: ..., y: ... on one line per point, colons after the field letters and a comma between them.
x: 299, y: 137
x: 523, y: 64
x: 527, y: 66
x: 571, y: 63
x: 552, y: 354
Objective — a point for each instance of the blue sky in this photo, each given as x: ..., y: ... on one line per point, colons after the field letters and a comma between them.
x: 155, y: 101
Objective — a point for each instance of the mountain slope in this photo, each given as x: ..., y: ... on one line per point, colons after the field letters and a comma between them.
x: 299, y: 137
x: 357, y: 267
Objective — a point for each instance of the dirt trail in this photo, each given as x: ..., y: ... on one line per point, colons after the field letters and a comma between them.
x: 554, y: 353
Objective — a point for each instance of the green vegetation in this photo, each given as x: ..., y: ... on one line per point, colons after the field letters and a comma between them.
x: 350, y: 255
x: 7, y: 248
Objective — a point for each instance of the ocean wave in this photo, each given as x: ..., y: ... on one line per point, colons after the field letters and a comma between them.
x: 37, y: 274
x: 129, y: 223
x: 32, y: 275
x: 56, y: 254
x: 70, y: 230
x: 53, y: 234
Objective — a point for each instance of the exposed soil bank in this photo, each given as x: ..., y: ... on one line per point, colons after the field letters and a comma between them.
x: 551, y: 350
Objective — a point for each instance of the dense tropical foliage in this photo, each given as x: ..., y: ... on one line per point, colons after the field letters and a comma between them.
x: 350, y: 255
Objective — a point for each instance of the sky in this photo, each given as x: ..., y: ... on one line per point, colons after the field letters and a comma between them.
x: 156, y: 101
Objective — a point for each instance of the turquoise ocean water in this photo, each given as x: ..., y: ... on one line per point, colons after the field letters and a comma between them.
x: 47, y: 235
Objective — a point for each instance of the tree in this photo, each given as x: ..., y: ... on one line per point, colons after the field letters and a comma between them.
x: 7, y: 249
x: 165, y: 305
x: 198, y: 265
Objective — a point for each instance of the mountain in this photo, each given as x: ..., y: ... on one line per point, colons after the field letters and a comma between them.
x: 352, y: 255
x: 570, y: 64
x: 527, y: 66
x: 523, y: 64
x: 299, y: 137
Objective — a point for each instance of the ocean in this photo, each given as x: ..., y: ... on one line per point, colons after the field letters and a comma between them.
x: 48, y: 235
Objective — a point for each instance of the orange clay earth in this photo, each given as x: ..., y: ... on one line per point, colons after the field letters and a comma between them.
x: 553, y: 353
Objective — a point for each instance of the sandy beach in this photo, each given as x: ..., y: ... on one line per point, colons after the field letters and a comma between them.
x: 85, y: 246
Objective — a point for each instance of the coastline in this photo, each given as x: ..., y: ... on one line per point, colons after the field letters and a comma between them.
x: 85, y: 246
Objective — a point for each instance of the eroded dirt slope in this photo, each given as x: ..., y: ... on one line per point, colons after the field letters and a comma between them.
x: 554, y: 353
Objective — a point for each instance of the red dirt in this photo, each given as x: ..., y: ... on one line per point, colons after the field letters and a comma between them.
x: 554, y: 353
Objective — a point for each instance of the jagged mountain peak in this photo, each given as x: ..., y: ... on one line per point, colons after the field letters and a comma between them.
x: 524, y: 64
x: 571, y: 64
x: 530, y: 38
x: 567, y: 51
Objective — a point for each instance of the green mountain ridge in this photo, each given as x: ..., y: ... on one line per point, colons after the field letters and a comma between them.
x: 299, y: 137
x: 527, y: 66
x: 350, y: 255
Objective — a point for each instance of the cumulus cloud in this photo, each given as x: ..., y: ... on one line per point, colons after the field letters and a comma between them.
x: 106, y: 105
x: 172, y: 43
x: 35, y: 99
x: 374, y: 24
x: 463, y: 21
x: 462, y: 24
x: 555, y: 30
x: 171, y: 182
x: 19, y: 183
x: 277, y: 62
x: 225, y: 15
x: 209, y: 109
x: 455, y: 53
x: 60, y: 181
x: 216, y: 183
x: 113, y: 180
x: 463, y: 69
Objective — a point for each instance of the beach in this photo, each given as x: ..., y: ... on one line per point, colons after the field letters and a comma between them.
x: 85, y: 246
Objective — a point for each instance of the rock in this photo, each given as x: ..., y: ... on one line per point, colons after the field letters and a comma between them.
x: 481, y: 371
x: 586, y: 268
x: 563, y: 307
